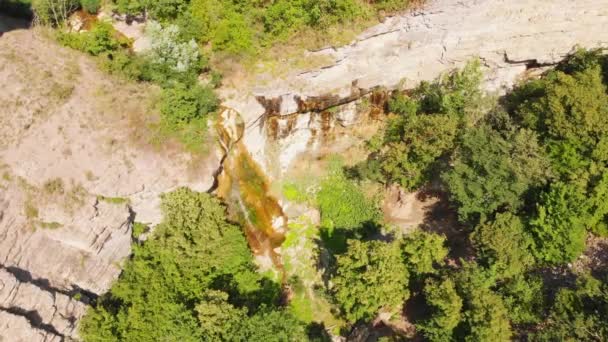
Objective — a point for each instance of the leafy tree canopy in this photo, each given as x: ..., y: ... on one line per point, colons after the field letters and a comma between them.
x: 370, y: 276
x: 491, y: 172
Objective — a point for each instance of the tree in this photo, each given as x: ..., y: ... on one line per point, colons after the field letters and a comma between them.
x: 370, y: 276
x: 524, y: 298
x: 411, y: 145
x: 271, y: 326
x: 578, y: 314
x: 504, y: 244
x: 485, y: 316
x: 559, y: 228
x: 491, y: 173
x: 53, y: 12
x: 424, y: 128
x: 167, y: 49
x: 445, y: 305
x: 170, y: 275
x: 219, y: 320
x: 423, y: 252
x: 182, y: 104
x: 572, y: 107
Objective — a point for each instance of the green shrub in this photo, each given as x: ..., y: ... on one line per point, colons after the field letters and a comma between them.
x: 343, y: 204
x: 90, y: 6
x: 53, y: 12
x: 101, y: 39
x: 183, y: 104
x: 233, y: 34
x: 131, y: 7
x: 125, y: 64
x: 166, y: 9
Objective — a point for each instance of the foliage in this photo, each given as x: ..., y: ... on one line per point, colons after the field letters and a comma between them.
x: 370, y: 276
x: 218, y: 318
x: 524, y: 298
x: 504, y: 245
x: 559, y: 227
x: 271, y: 326
x: 53, y: 12
x: 406, y: 159
x: 578, y: 314
x: 424, y: 129
x: 176, y: 273
x: 486, y: 317
x: 233, y: 34
x: 181, y: 104
x: 423, y: 252
x: 445, y: 305
x: 91, y: 6
x: 455, y: 93
x: 101, y: 39
x: 491, y: 173
x: 343, y: 204
x: 242, y: 27
x: 166, y: 49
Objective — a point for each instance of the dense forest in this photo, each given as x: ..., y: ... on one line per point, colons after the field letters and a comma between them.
x: 524, y: 173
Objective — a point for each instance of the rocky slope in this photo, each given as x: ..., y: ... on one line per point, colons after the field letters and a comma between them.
x: 509, y: 37
x: 76, y: 170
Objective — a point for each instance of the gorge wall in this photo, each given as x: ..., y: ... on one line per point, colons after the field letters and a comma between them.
x: 509, y: 38
x: 55, y: 258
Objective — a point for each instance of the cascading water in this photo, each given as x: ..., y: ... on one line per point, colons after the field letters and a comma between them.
x: 245, y: 189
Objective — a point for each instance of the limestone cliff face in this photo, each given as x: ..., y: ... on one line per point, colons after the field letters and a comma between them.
x: 76, y: 171
x: 509, y: 37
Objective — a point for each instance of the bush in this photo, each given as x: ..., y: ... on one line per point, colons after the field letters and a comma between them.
x: 182, y: 104
x: 342, y: 203
x: 167, y: 49
x: 101, y: 39
x: 233, y: 35
x: 53, y: 12
x: 90, y: 6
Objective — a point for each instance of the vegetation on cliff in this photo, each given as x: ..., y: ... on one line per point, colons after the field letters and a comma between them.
x: 526, y: 176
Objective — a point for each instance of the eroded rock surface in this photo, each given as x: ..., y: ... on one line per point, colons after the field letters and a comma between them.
x: 76, y: 170
x: 509, y: 37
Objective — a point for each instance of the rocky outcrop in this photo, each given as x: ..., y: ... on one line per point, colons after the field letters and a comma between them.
x: 509, y: 37
x: 30, y: 306
x: 76, y: 170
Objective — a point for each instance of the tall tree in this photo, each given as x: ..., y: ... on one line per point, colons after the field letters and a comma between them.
x: 504, y: 244
x: 370, y: 276
x: 491, y: 172
x: 445, y: 305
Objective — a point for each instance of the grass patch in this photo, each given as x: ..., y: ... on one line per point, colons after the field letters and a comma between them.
x: 30, y: 210
x: 54, y: 186
x: 113, y: 200
x: 48, y: 225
